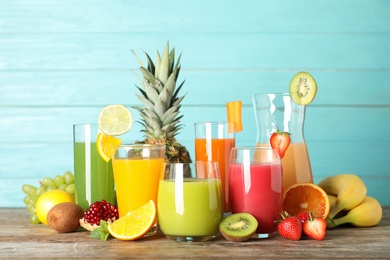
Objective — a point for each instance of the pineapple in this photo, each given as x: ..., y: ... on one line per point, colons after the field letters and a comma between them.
x: 159, y: 95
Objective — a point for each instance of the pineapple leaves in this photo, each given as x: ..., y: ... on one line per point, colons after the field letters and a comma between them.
x: 163, y: 71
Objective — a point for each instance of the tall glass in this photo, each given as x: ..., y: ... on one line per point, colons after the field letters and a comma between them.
x: 213, y: 142
x: 190, y: 202
x: 137, y: 169
x: 94, y: 180
x: 255, y: 182
x: 278, y: 111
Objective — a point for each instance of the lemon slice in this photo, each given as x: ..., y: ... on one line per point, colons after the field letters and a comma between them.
x: 303, y: 88
x: 134, y: 224
x: 115, y: 120
x: 107, y: 145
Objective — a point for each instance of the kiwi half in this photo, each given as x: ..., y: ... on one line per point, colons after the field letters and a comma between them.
x: 303, y: 88
x: 238, y: 227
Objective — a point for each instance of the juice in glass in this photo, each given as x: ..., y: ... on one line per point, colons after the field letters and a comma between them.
x: 217, y: 150
x: 258, y: 191
x: 196, y: 211
x: 136, y: 182
x: 94, y: 180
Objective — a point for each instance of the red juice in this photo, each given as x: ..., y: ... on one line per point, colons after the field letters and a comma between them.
x: 257, y: 191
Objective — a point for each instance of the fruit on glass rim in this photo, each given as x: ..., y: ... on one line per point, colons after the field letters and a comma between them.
x: 280, y: 141
x: 290, y: 227
x: 314, y: 227
x: 115, y: 120
x: 160, y: 114
x: 99, y: 210
x: 238, y: 227
x: 303, y: 88
x: 135, y: 224
x: 64, y: 217
x: 107, y: 145
x: 348, y: 188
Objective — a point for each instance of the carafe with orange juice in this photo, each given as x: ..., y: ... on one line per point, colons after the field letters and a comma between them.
x: 277, y: 111
x: 137, y: 171
x: 213, y: 142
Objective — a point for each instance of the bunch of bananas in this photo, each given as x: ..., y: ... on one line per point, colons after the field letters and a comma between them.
x: 349, y: 202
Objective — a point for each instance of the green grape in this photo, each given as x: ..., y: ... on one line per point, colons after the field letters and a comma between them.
x: 26, y: 200
x: 48, y: 182
x: 34, y: 219
x: 70, y: 188
x: 69, y: 178
x: 58, y: 180
x: 51, y: 188
x: 31, y: 209
x: 28, y: 189
x: 40, y: 190
x: 62, y: 186
x: 32, y: 200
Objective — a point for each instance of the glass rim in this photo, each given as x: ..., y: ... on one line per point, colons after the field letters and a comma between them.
x: 276, y: 94
x: 213, y: 122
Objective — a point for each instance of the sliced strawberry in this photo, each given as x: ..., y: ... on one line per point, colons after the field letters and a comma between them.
x: 280, y: 141
x: 290, y: 227
x: 315, y: 228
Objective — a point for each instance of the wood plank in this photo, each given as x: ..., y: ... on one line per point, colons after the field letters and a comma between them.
x: 75, y: 88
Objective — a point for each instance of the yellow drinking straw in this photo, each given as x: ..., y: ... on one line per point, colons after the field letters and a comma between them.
x: 234, y: 115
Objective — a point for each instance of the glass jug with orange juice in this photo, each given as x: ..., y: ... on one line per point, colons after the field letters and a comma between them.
x: 277, y: 111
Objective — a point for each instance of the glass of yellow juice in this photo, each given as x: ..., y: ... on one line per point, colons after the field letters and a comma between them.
x: 190, y: 201
x: 137, y: 169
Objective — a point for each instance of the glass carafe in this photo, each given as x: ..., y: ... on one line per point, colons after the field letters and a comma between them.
x: 277, y: 111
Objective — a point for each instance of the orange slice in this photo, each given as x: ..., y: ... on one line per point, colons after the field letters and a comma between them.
x: 134, y: 224
x: 234, y: 115
x: 107, y: 145
x: 303, y: 197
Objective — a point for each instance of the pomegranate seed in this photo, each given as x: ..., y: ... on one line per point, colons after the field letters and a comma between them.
x: 100, y: 211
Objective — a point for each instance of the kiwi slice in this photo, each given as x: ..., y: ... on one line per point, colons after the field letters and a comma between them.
x: 238, y: 227
x: 303, y: 88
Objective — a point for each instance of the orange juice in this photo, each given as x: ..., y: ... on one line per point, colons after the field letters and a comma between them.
x: 136, y: 182
x: 296, y: 165
x: 217, y: 150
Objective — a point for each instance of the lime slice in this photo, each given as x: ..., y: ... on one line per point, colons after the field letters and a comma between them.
x: 115, y: 120
x: 303, y: 88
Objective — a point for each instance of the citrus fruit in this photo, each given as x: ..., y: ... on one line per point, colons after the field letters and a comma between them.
x: 48, y: 200
x: 303, y: 88
x: 107, y: 145
x: 115, y: 120
x: 303, y: 197
x: 134, y: 224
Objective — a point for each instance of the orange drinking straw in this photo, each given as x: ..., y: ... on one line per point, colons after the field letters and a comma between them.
x: 234, y: 115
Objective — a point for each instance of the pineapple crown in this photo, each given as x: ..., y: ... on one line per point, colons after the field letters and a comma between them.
x: 159, y: 95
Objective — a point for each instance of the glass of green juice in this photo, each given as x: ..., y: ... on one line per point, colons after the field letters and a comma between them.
x: 190, y: 201
x: 94, y: 179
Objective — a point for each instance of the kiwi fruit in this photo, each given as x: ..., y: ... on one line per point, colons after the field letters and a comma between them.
x: 238, y: 227
x: 64, y: 217
x: 303, y: 88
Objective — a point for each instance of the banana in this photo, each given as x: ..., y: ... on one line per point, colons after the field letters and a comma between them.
x: 332, y: 200
x: 349, y: 189
x: 366, y: 214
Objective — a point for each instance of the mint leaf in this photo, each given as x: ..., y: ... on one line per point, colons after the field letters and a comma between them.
x: 101, y: 232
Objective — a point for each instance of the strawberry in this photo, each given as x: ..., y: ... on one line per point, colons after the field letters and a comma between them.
x: 315, y: 227
x: 303, y: 216
x: 290, y: 227
x: 280, y: 141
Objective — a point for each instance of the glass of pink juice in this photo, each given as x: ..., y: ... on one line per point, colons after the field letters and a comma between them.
x: 255, y: 184
x: 190, y: 201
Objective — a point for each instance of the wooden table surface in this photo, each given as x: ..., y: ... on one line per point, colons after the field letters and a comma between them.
x: 20, y: 239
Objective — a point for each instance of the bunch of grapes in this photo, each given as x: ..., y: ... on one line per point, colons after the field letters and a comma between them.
x: 60, y: 182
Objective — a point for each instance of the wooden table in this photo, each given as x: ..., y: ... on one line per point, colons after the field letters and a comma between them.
x: 20, y: 239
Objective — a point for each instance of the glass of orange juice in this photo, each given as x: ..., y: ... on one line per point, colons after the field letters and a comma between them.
x: 277, y: 111
x: 213, y: 142
x: 190, y: 202
x: 137, y: 169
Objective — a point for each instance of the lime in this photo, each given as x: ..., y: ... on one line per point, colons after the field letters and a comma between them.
x: 48, y: 200
x: 115, y: 120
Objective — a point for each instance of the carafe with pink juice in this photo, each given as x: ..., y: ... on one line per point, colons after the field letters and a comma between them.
x: 277, y: 111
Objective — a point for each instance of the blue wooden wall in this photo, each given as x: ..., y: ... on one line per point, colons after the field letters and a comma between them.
x: 62, y: 61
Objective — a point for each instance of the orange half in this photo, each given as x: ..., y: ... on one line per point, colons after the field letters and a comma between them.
x: 134, y: 224
x: 303, y: 197
x: 107, y: 145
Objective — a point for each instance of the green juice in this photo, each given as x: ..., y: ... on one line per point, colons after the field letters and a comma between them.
x: 94, y: 180
x: 191, y: 208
